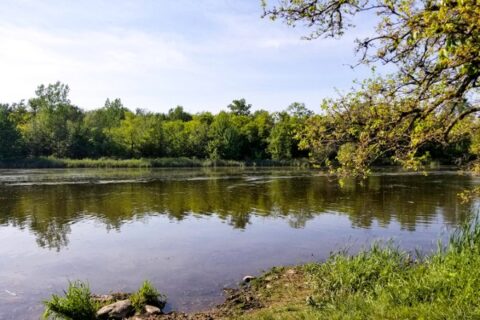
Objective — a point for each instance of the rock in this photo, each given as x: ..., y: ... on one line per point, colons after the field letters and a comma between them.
x: 150, y: 310
x: 104, y: 311
x: 118, y: 310
x: 247, y: 279
x: 121, y: 309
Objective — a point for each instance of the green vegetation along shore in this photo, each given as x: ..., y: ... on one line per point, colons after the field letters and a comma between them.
x: 182, y: 162
x: 380, y: 283
x: 49, y: 131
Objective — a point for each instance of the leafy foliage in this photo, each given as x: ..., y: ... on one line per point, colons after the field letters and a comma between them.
x: 429, y: 100
x: 11, y: 145
x: 240, y: 107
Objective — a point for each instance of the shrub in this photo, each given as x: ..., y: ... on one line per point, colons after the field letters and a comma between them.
x: 147, y: 294
x: 75, y: 305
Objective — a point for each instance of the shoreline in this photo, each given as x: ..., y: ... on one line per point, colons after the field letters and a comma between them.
x: 185, y: 162
x: 252, y: 295
x: 182, y: 162
x: 382, y: 282
x: 250, y: 298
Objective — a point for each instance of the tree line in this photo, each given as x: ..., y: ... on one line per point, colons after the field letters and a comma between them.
x: 49, y: 124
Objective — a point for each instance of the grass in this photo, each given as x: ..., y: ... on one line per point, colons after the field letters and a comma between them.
x: 147, y: 295
x: 76, y: 304
x: 386, y: 283
x: 51, y: 162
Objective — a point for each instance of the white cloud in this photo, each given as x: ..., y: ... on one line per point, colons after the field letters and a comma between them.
x: 29, y: 57
x: 152, y: 55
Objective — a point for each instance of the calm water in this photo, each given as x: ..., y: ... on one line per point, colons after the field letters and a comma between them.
x: 193, y: 232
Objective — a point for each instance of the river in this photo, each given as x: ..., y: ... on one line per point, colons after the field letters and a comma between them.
x: 192, y: 232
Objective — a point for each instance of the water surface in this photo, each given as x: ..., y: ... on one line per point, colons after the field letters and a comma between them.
x: 194, y: 231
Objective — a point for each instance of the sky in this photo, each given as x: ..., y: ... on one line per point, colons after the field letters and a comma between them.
x: 157, y: 54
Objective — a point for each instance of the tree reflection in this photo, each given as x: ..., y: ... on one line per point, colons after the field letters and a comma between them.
x: 49, y: 210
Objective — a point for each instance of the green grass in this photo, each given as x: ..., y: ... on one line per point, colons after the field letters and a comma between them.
x: 76, y: 304
x: 386, y: 283
x: 51, y: 162
x: 147, y: 294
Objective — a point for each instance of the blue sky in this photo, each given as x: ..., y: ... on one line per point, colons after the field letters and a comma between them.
x: 157, y: 54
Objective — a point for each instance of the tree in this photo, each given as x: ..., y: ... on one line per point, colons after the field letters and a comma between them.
x: 280, y: 142
x: 54, y: 121
x: 178, y: 113
x: 176, y: 137
x: 299, y: 110
x: 435, y: 47
x: 99, y: 125
x: 154, y: 145
x: 256, y: 133
x: 224, y: 138
x: 141, y: 135
x: 10, y: 138
x: 240, y: 107
x: 197, y: 137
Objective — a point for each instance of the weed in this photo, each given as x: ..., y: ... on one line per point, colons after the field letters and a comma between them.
x: 147, y: 294
x: 75, y: 305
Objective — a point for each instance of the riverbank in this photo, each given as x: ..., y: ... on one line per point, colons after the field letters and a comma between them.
x: 380, y: 283
x: 51, y: 162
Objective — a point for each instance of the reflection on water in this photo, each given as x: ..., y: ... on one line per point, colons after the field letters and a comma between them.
x: 48, y: 209
x: 118, y: 227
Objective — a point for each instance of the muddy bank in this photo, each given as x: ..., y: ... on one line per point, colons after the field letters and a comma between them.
x: 275, y: 287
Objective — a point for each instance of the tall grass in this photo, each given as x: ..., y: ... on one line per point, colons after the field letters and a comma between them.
x: 51, y: 162
x: 147, y: 294
x: 76, y: 304
x: 386, y: 283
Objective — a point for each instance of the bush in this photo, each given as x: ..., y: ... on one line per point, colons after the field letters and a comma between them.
x: 75, y: 305
x: 147, y: 294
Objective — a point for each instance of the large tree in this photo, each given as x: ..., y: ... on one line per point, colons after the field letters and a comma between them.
x: 435, y: 48
x: 240, y: 107
x: 55, y: 122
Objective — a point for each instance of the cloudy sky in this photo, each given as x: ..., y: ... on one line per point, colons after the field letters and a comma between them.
x: 156, y: 54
